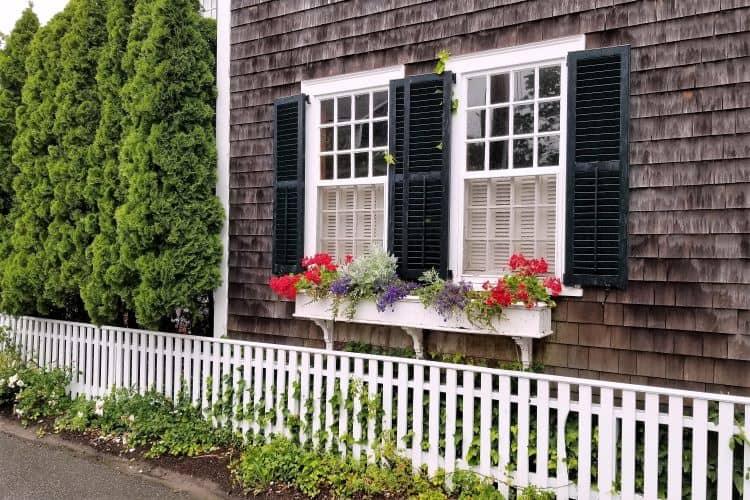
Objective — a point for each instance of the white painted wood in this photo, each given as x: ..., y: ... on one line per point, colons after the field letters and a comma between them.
x: 584, y: 441
x: 343, y: 411
x: 468, y: 413
x: 450, y: 420
x: 516, y: 321
x: 387, y: 397
x: 281, y: 388
x: 257, y: 387
x: 355, y: 417
x: 503, y: 426
x: 542, y: 433
x: 317, y: 395
x: 372, y: 394
x: 606, y: 442
x: 330, y: 386
x: 402, y: 402
x: 628, y: 445
x: 700, y: 448
x: 417, y: 416
x: 485, y: 425
x: 725, y: 461
x: 433, y: 436
x: 674, y: 449
x: 563, y: 405
x: 651, y: 447
x: 746, y: 455
x: 270, y: 378
x: 522, y: 462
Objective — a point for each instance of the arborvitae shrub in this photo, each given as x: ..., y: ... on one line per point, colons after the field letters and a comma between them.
x: 168, y: 227
x: 12, y: 78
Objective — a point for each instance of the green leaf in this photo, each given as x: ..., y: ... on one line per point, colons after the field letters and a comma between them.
x: 442, y: 58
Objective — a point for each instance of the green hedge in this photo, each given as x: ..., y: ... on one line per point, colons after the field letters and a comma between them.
x: 112, y: 205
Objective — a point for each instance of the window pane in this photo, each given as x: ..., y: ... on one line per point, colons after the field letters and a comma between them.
x: 523, y: 82
x: 549, y: 116
x: 475, y: 124
x: 344, y: 166
x: 549, y: 151
x: 475, y: 156
x: 499, y: 88
x: 380, y: 134
x: 345, y: 108
x: 351, y: 219
x: 326, y: 111
x: 361, y: 106
x: 362, y: 135
x: 326, y: 167
x: 326, y: 139
x: 361, y: 165
x: 380, y: 104
x: 379, y: 167
x: 507, y: 215
x: 523, y: 119
x: 523, y: 152
x: 499, y: 122
x: 477, y: 91
x: 549, y: 81
x: 498, y: 155
x: 344, y: 140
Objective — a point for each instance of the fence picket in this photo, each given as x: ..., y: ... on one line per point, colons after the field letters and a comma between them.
x: 563, y: 405
x: 628, y: 445
x: 425, y: 429
x: 584, y: 441
x: 725, y: 469
x: 651, y: 447
x: 674, y: 449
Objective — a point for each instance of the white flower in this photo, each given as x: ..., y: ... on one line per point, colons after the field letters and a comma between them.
x: 2, y: 381
x: 79, y: 414
x: 52, y: 403
x: 21, y: 383
x: 12, y: 381
x: 99, y: 407
x: 131, y: 419
x: 19, y: 412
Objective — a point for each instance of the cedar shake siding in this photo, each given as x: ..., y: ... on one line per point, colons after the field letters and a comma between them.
x: 684, y: 318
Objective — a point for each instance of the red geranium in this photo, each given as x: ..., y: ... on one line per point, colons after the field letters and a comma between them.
x: 319, y: 260
x: 285, y: 285
x: 313, y: 275
x: 348, y: 259
x: 553, y: 285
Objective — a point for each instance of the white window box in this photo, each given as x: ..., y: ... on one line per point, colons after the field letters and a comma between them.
x: 520, y: 323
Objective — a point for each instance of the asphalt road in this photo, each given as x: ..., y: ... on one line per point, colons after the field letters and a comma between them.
x: 34, y: 470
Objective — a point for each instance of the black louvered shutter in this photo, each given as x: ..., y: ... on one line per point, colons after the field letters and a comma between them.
x: 420, y: 111
x: 597, y: 172
x: 288, y: 183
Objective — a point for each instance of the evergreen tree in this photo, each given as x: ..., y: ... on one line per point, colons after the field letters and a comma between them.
x: 101, y: 288
x: 76, y: 120
x: 12, y: 78
x: 23, y: 271
x: 168, y: 227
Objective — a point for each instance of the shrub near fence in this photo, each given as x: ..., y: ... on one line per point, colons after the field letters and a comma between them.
x: 581, y: 438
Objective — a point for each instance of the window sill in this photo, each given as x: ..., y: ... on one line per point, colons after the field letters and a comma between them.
x: 477, y: 281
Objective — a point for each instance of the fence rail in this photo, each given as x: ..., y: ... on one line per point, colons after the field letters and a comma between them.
x: 581, y: 438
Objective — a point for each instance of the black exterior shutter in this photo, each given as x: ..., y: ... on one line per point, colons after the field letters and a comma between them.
x: 288, y: 183
x: 597, y: 167
x: 420, y: 111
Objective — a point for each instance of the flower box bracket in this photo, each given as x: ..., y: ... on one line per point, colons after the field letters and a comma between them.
x: 520, y: 323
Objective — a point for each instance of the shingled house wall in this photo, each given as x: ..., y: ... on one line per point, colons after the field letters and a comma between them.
x: 684, y: 319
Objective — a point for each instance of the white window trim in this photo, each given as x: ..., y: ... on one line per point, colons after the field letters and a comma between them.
x: 319, y: 89
x: 552, y: 51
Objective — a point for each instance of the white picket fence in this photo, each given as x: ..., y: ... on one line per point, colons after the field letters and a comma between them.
x: 581, y: 438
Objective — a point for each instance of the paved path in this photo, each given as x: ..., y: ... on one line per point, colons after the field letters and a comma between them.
x: 35, y: 470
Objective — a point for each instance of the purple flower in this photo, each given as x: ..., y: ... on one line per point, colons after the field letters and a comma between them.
x: 453, y: 297
x: 341, y: 286
x: 392, y: 293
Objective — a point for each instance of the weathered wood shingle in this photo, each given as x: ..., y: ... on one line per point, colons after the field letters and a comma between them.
x: 685, y: 317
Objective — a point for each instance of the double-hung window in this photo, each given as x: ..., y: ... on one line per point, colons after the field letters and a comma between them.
x: 508, y: 168
x: 346, y: 173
